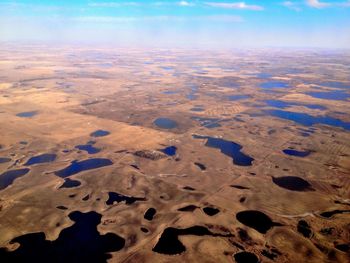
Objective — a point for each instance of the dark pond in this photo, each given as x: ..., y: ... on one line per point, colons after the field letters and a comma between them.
x: 4, y: 160
x: 100, y: 133
x: 238, y: 97
x: 309, y: 120
x: 256, y: 219
x: 169, y: 243
x: 329, y: 95
x: 165, y: 123
x: 150, y: 213
x: 189, y: 208
x: 85, y: 198
x: 89, y: 148
x: 228, y: 148
x: 239, y: 187
x: 296, y: 153
x: 198, y: 109
x: 292, y: 183
x: 171, y: 150
x: 70, y: 183
x: 245, y: 257
x: 115, y: 197
x: 329, y: 214
x: 27, y: 114
x: 7, y: 178
x: 62, y: 207
x: 284, y: 104
x: 80, y: 242
x: 192, y: 95
x: 189, y: 188
x: 43, y: 158
x: 79, y: 166
x: 274, y: 85
x: 210, y: 211
x: 201, y: 166
x: 304, y: 228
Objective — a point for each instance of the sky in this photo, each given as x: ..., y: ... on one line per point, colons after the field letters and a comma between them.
x: 211, y: 23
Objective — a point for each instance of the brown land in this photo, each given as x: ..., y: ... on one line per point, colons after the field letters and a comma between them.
x: 76, y: 91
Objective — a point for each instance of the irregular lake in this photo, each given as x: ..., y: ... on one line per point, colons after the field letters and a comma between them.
x: 308, y: 120
x: 256, y: 219
x: 79, y: 166
x: 8, y: 177
x: 285, y: 104
x: 228, y: 148
x: 170, y: 150
x: 165, y: 123
x: 292, y: 183
x: 89, y: 148
x: 81, y: 242
x: 70, y: 183
x: 43, y: 158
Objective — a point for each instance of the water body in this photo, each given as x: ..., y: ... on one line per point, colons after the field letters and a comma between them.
x: 274, y: 85
x: 5, y: 160
x: 284, y: 104
x: 165, y: 123
x: 80, y: 242
x: 296, y: 153
x: 292, y: 183
x: 79, y: 166
x: 115, y: 197
x: 27, y: 114
x: 256, y: 220
x: 197, y: 109
x: 43, y: 158
x: 329, y: 214
x: 228, y: 148
x: 304, y: 228
x: 210, y: 211
x: 8, y: 177
x: 238, y: 97
x: 70, y: 183
x: 100, y: 133
x: 329, y: 95
x: 89, y: 148
x: 150, y: 213
x: 239, y: 187
x: 308, y: 120
x: 188, y: 208
x: 200, y: 166
x: 170, y: 244
x: 245, y: 257
x: 170, y: 150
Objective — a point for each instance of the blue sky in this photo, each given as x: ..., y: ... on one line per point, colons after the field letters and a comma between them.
x: 212, y: 23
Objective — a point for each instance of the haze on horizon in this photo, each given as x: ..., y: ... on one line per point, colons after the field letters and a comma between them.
x: 299, y: 23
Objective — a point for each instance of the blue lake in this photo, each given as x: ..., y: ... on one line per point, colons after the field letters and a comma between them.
x: 228, y: 148
x: 285, y: 104
x: 43, y: 158
x: 79, y: 166
x: 165, y: 123
x: 308, y: 120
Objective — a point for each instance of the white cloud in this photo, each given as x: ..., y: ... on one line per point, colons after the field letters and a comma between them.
x: 237, y: 5
x: 291, y: 5
x: 317, y: 4
x: 185, y: 3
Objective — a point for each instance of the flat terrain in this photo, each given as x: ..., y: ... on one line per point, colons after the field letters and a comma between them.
x: 174, y: 155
